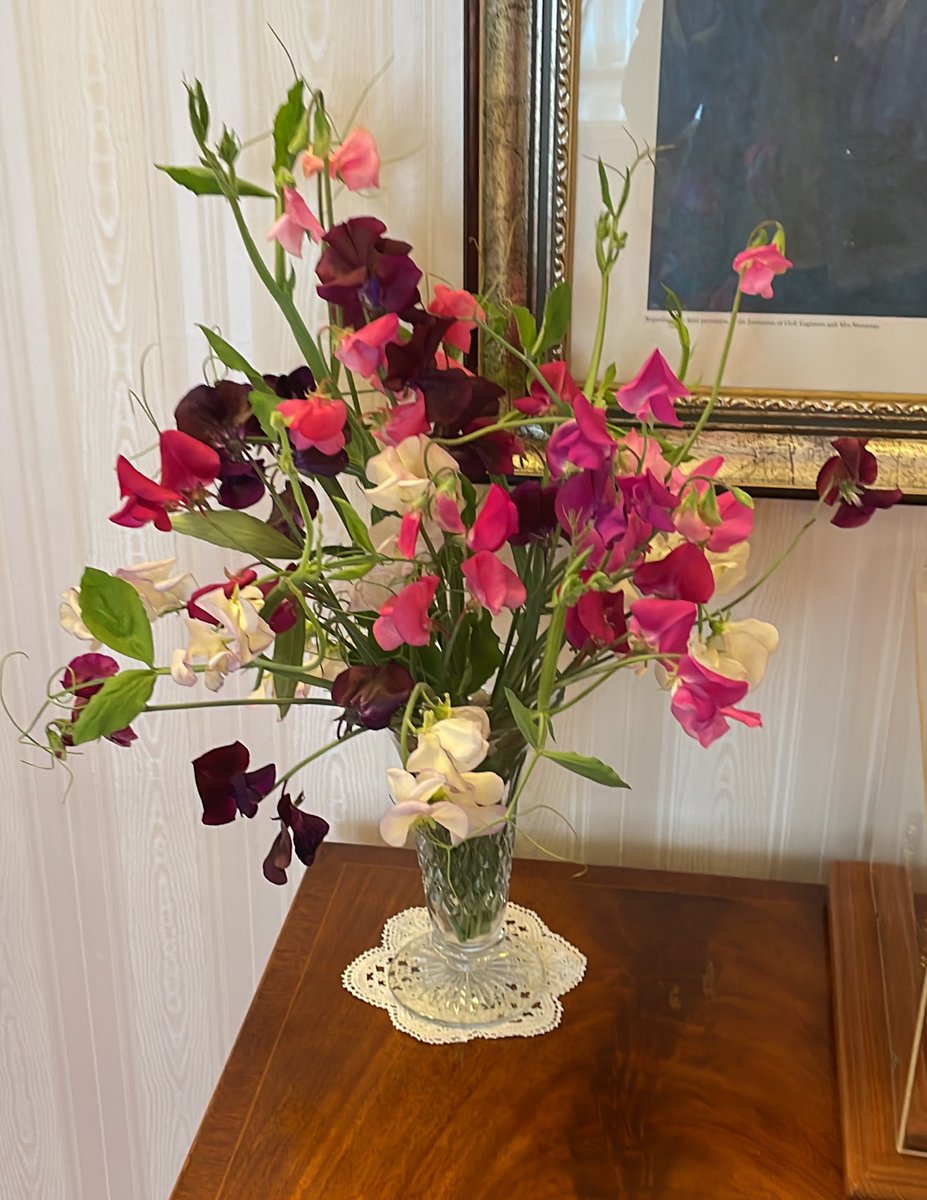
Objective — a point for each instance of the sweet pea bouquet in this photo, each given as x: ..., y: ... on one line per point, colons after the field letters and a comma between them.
x: 462, y: 606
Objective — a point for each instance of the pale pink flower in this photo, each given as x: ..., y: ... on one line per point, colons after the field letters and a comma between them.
x: 356, y: 162
x: 464, y: 307
x: 294, y: 223
x: 404, y: 618
x: 492, y: 583
x: 364, y: 350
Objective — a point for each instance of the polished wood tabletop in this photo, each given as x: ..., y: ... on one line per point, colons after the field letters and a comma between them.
x: 694, y: 1062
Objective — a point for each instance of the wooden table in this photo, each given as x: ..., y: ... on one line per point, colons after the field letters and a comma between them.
x: 694, y: 1062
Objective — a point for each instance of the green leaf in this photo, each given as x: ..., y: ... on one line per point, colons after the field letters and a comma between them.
x: 604, y: 187
x: 201, y: 181
x: 115, y: 705
x: 353, y: 523
x: 264, y: 405
x: 556, y: 317
x: 236, y: 531
x: 114, y: 613
x: 484, y: 653
x: 589, y: 768
x: 527, y: 328
x: 286, y: 125
x: 526, y: 720
x: 235, y: 361
x: 289, y: 650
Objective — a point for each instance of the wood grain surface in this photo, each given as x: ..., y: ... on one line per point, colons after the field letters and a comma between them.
x: 694, y: 1062
x: 132, y: 938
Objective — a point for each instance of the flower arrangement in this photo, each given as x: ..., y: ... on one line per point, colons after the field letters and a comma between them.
x: 464, y: 607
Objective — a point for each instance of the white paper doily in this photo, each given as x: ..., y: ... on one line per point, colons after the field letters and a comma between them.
x: 564, y: 967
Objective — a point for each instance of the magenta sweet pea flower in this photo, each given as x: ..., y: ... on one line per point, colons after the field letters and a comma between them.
x: 703, y: 702
x: 404, y: 618
x: 649, y: 499
x: 356, y: 162
x: 597, y: 621
x: 496, y: 521
x: 407, y: 541
x: 404, y: 420
x: 591, y: 513
x: 226, y: 786
x: 736, y: 524
x: 493, y: 584
x: 653, y: 392
x: 371, y: 696
x: 664, y: 624
x: 684, y: 574
x: 316, y: 423
x: 584, y: 442
x: 538, y: 401
x: 844, y: 480
x: 363, y: 351
x: 294, y: 223
x: 464, y: 308
x: 758, y: 266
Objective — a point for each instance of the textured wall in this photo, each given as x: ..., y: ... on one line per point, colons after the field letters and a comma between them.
x: 131, y: 938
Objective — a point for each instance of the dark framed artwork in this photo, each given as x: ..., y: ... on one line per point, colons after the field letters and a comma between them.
x: 812, y: 112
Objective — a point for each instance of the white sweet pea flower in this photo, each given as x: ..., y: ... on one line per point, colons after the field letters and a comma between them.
x: 729, y: 567
x: 207, y: 647
x: 412, y: 795
x: 740, y: 651
x: 406, y: 475
x: 71, y: 617
x: 160, y: 591
x: 452, y: 745
x: 243, y: 632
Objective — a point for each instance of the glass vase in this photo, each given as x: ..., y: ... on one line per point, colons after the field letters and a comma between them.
x: 465, y: 970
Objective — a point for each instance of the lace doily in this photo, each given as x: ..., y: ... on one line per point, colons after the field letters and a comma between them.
x: 564, y: 967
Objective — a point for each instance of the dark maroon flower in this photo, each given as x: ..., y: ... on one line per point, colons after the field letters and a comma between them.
x: 240, y: 485
x: 407, y: 361
x: 219, y: 415
x: 295, y: 386
x: 286, y: 501
x: 537, y: 513
x: 371, y: 696
x: 844, y: 480
x: 684, y: 574
x: 308, y: 833
x: 84, y: 676
x: 227, y: 787
x: 597, y: 621
x: 313, y: 462
x: 365, y: 273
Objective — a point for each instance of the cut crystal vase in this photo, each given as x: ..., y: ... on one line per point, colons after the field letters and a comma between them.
x: 466, y: 970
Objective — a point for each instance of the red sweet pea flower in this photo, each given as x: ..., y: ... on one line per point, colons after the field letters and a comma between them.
x: 538, y: 402
x: 685, y: 574
x: 371, y: 696
x: 463, y: 307
x: 145, y: 500
x: 404, y: 618
x: 653, y: 392
x: 597, y: 621
x: 227, y: 787
x: 84, y: 676
x: 758, y: 266
x: 187, y: 465
x: 703, y: 702
x: 493, y: 584
x: 584, y: 442
x: 496, y: 521
x: 844, y: 480
x: 664, y: 624
x: 316, y: 423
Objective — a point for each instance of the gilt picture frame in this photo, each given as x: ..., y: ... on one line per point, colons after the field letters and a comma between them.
x: 536, y: 107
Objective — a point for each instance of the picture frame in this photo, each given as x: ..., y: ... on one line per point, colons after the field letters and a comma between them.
x: 527, y: 181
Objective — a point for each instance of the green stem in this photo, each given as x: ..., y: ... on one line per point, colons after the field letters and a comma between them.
x: 781, y: 559
x: 316, y: 754
x: 150, y: 708
x: 599, y: 342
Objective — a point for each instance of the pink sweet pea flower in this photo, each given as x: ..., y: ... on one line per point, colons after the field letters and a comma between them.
x: 312, y: 163
x: 664, y: 624
x: 316, y: 422
x: 584, y: 442
x: 684, y: 574
x: 653, y: 392
x: 451, y: 302
x: 447, y: 514
x: 408, y: 534
x: 844, y: 480
x: 404, y: 619
x: 758, y: 266
x: 496, y: 521
x: 296, y: 221
x: 356, y: 162
x: 364, y: 350
x: 736, y: 524
x: 405, y: 420
x: 703, y: 702
x: 538, y: 402
x: 493, y: 584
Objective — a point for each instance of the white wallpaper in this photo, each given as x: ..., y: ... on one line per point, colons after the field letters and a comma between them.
x: 131, y: 937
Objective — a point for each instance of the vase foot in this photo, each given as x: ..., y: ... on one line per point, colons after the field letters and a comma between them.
x: 466, y: 988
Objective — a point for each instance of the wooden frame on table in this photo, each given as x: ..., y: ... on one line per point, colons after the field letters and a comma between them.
x: 532, y: 193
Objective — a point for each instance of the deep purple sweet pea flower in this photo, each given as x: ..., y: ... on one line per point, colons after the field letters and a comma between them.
x: 537, y: 513
x: 371, y: 696
x: 298, y: 384
x: 308, y: 833
x: 84, y: 676
x: 584, y: 442
x: 220, y: 416
x: 227, y: 787
x: 684, y: 574
x: 844, y: 480
x: 365, y: 273
x: 240, y: 485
